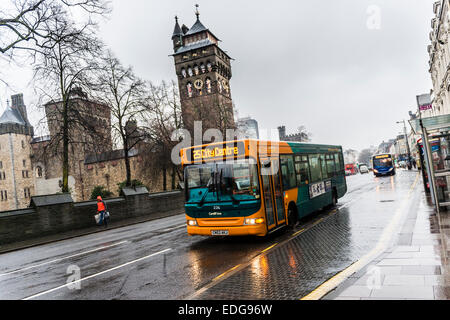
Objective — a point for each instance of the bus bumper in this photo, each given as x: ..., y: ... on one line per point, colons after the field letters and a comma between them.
x: 256, y: 230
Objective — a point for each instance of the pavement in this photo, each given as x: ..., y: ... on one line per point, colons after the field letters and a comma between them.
x: 383, y: 240
x: 415, y: 266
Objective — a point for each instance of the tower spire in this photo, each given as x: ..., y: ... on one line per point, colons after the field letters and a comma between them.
x: 177, y: 30
x: 177, y: 35
x: 196, y: 12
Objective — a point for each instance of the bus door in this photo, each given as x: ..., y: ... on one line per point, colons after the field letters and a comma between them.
x: 273, y: 196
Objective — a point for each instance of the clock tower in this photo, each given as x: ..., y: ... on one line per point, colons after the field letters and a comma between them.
x: 204, y: 71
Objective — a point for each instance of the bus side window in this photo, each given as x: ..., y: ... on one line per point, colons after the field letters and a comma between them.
x: 331, y: 167
x: 288, y: 172
x: 323, y: 166
x: 302, y: 169
x: 314, y: 166
x: 339, y: 165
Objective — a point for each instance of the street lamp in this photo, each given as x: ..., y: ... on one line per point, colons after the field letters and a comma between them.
x: 407, y: 144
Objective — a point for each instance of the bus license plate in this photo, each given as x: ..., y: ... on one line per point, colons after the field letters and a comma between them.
x: 219, y: 232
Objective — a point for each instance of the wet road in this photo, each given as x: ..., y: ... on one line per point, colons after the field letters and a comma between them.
x: 157, y: 260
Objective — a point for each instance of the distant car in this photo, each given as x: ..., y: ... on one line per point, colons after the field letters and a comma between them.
x: 363, y: 169
x: 351, y: 168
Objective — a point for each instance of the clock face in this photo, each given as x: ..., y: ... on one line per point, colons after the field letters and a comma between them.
x: 198, y: 84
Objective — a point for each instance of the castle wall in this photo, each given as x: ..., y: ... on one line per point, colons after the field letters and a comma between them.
x: 16, y: 167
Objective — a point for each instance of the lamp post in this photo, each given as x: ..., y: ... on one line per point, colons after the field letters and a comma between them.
x: 407, y: 144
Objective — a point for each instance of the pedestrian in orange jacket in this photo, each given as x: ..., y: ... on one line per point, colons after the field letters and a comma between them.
x: 101, y: 209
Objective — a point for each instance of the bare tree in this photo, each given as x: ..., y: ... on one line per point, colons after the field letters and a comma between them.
x: 23, y: 23
x: 163, y: 116
x: 64, y: 62
x: 124, y: 93
x: 365, y: 156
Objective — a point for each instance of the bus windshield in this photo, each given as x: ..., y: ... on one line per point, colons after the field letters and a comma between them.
x: 218, y: 181
x: 386, y: 162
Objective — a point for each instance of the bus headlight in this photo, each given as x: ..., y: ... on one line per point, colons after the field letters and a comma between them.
x: 253, y: 221
x: 191, y: 222
x: 375, y: 170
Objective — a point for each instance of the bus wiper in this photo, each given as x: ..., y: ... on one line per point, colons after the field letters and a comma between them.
x: 200, y: 203
x: 219, y: 184
x: 208, y: 186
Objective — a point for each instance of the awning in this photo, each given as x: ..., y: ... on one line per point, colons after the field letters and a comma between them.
x: 432, y: 124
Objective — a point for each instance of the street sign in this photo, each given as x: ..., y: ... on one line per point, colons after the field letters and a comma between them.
x: 424, y: 102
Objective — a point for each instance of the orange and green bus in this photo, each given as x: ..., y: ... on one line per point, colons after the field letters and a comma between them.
x: 254, y: 187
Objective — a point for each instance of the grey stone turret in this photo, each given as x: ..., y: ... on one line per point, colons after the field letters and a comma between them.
x: 14, y: 119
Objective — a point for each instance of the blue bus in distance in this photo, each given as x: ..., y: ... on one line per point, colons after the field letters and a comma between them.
x: 383, y: 165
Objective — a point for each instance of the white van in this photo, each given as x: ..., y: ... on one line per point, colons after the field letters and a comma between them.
x: 363, y: 169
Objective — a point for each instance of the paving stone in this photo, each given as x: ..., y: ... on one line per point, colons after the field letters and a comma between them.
x: 406, y: 248
x: 435, y: 280
x: 401, y: 255
x: 421, y: 270
x: 404, y: 292
x: 401, y: 280
x: 356, y: 291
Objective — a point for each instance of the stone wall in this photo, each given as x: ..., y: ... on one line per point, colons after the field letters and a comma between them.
x: 45, y: 219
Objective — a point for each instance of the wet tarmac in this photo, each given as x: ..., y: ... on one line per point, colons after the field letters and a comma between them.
x: 158, y: 260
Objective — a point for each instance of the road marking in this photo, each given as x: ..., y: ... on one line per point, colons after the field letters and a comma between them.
x: 268, y: 248
x: 229, y: 270
x: 385, y: 238
x: 96, y: 274
x: 297, y: 233
x: 317, y: 222
x: 173, y: 228
x: 63, y: 258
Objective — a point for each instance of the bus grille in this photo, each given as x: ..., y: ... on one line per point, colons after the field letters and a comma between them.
x: 220, y: 222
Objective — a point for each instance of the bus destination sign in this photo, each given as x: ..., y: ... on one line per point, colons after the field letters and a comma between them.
x: 216, y: 152
x: 382, y: 156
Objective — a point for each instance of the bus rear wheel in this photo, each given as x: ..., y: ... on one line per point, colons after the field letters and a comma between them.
x: 292, y: 217
x: 334, y: 199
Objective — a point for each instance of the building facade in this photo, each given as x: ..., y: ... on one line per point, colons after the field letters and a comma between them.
x: 203, y: 70
x: 439, y: 63
x: 300, y: 136
x: 247, y: 128
x: 89, y: 133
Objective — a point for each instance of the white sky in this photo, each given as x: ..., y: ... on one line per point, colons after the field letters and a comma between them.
x: 311, y: 63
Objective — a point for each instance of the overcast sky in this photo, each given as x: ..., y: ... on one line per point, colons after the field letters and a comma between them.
x: 335, y: 66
